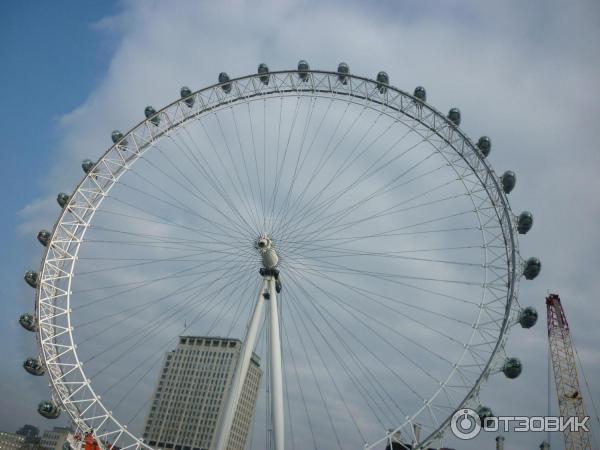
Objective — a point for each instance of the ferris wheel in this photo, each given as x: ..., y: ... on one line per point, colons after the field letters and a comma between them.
x: 346, y: 232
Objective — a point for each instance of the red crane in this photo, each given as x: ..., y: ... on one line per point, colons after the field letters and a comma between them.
x: 570, y: 401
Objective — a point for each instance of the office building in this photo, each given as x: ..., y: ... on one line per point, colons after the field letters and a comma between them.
x: 190, y: 395
x: 54, y: 439
x: 32, y: 437
x: 11, y: 441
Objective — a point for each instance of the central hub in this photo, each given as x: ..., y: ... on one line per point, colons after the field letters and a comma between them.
x: 264, y: 245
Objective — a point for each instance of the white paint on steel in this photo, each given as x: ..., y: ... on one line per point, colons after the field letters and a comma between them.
x: 241, y: 370
x: 277, y: 412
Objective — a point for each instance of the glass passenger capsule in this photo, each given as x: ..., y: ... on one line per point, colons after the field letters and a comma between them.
x: 484, y: 412
x: 186, y: 95
x: 34, y: 367
x: 509, y: 180
x: 49, y: 410
x: 420, y: 93
x: 528, y: 317
x: 524, y: 222
x: 87, y: 165
x: 484, y: 144
x: 383, y: 80
x: 117, y: 138
x: 223, y: 79
x: 151, y: 115
x: 62, y: 199
x: 27, y: 321
x: 532, y: 269
x: 44, y: 237
x: 303, y: 69
x: 454, y: 116
x: 343, y: 70
x: 512, y: 367
x: 31, y: 278
x: 263, y: 70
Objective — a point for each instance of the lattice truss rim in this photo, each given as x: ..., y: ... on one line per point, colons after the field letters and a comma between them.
x: 73, y: 391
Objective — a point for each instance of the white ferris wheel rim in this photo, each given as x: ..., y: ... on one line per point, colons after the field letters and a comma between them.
x: 77, y: 395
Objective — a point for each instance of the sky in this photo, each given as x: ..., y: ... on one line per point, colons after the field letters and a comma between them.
x: 524, y: 74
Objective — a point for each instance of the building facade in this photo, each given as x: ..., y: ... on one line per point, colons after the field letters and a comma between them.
x: 11, y: 441
x: 32, y: 437
x: 54, y: 439
x: 190, y: 395
x: 29, y: 431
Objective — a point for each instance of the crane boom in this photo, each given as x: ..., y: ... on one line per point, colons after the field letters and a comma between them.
x: 570, y: 400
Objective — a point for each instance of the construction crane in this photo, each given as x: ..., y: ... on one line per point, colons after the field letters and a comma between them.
x: 570, y: 400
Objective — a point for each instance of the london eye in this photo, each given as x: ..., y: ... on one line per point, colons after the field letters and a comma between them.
x: 348, y: 234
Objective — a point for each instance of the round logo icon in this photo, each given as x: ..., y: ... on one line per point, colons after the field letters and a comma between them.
x: 465, y: 424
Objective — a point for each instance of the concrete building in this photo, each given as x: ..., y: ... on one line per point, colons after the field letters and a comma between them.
x: 54, y: 439
x: 190, y: 394
x: 11, y: 441
x: 29, y: 431
x: 32, y: 437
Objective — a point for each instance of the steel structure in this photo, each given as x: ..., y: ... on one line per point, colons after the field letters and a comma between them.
x: 570, y: 400
x: 495, y: 311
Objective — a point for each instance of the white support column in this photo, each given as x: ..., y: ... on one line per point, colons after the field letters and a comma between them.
x: 241, y: 369
x: 277, y: 414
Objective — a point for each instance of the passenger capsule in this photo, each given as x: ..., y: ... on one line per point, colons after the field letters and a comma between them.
x: 223, y: 79
x: 528, y: 317
x: 524, y: 222
x: 278, y: 286
x: 186, y: 95
x: 27, y: 321
x: 532, y: 269
x: 31, y: 278
x: 512, y: 367
x: 343, y: 70
x: 87, y: 165
x: 49, y: 410
x: 454, y: 116
x: 382, y: 82
x: 263, y: 70
x: 484, y: 144
x: 44, y: 237
x: 509, y: 180
x: 117, y: 138
x: 420, y: 93
x: 484, y: 412
x: 34, y: 367
x: 150, y: 114
x: 62, y: 199
x: 303, y: 69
